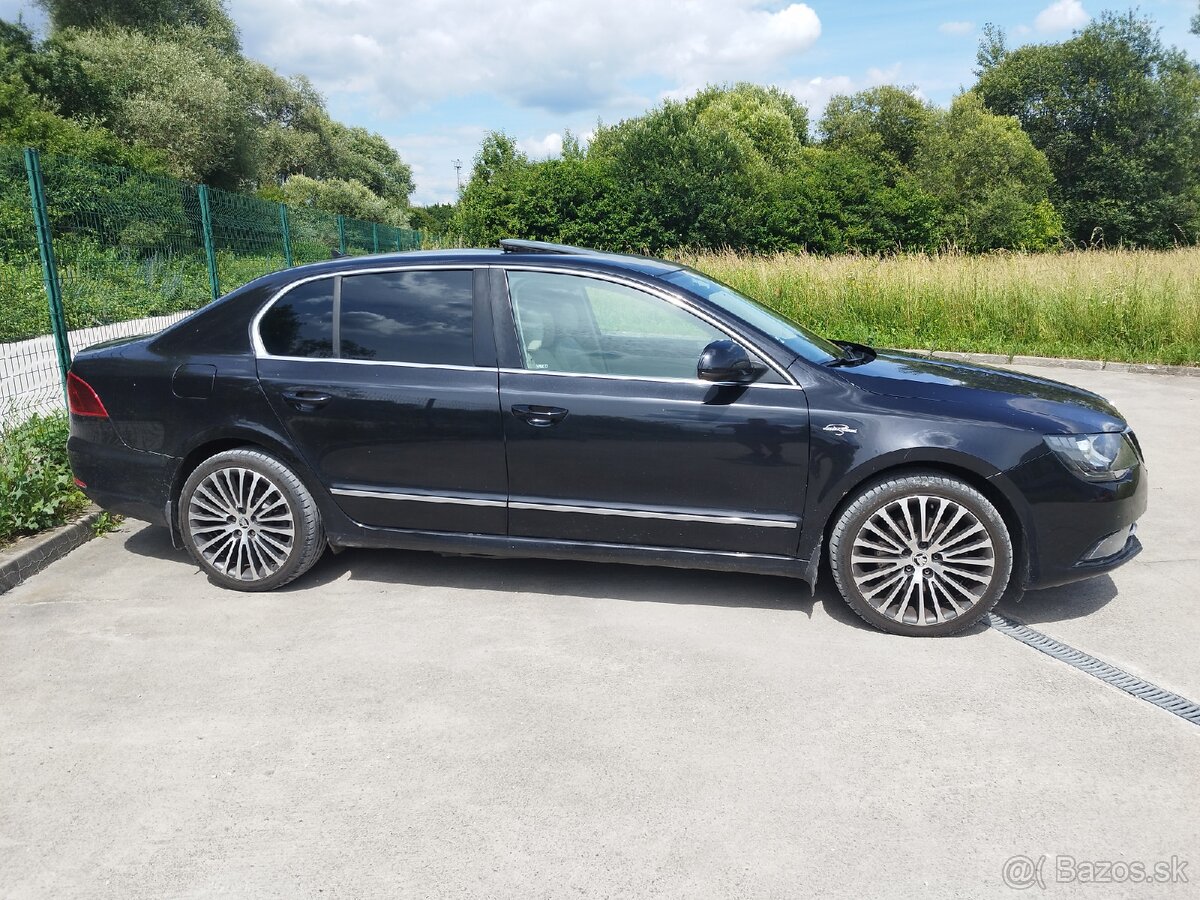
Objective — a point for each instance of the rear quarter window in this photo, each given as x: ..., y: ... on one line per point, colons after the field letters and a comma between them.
x: 300, y: 323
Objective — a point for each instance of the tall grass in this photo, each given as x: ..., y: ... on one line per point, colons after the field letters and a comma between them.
x: 1129, y: 305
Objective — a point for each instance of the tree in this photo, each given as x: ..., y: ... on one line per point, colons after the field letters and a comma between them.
x: 168, y: 75
x: 357, y: 154
x: 487, y: 207
x: 770, y: 125
x: 209, y: 17
x: 993, y: 47
x: 179, y: 95
x: 1117, y: 114
x: 695, y: 169
x: 435, y: 219
x: 835, y: 201
x: 47, y: 102
x: 885, y: 122
x: 991, y: 181
x: 346, y: 197
x: 694, y: 179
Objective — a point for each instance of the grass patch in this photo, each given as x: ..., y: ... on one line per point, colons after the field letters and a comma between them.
x: 36, y: 488
x: 1124, y: 305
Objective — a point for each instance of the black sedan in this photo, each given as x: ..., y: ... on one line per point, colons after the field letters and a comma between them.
x: 548, y: 401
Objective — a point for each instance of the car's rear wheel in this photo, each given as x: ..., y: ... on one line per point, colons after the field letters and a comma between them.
x: 921, y: 554
x: 249, y: 522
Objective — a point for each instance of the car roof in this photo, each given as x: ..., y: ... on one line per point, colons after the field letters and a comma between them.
x: 524, y: 253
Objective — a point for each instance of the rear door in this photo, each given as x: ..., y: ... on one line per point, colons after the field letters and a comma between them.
x: 386, y: 381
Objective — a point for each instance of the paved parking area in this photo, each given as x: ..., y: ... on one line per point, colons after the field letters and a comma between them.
x: 403, y: 724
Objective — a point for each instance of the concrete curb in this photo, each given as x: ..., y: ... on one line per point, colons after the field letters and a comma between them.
x: 29, y: 555
x: 1050, y: 362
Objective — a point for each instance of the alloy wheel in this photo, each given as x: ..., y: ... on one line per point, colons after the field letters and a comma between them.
x: 241, y: 523
x: 923, y: 560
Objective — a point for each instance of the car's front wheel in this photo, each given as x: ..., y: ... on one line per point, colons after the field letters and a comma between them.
x: 249, y: 522
x: 921, y: 554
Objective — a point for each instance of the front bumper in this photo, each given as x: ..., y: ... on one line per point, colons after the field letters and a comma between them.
x: 1067, y: 519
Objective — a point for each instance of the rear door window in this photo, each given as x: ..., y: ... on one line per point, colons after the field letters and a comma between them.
x: 416, y: 317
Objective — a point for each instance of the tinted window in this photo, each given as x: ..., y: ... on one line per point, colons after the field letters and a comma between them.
x: 569, y: 323
x: 301, y: 323
x: 422, y: 317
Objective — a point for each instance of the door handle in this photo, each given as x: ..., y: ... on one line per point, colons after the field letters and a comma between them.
x: 539, y: 416
x: 306, y: 401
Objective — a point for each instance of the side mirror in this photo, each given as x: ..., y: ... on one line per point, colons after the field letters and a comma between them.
x: 726, y: 362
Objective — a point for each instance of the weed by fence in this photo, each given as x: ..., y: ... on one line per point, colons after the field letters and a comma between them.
x: 122, y: 252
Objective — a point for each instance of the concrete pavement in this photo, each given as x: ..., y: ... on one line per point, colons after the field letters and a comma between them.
x: 403, y: 724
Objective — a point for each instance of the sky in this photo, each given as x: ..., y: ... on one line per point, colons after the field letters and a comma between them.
x: 435, y: 76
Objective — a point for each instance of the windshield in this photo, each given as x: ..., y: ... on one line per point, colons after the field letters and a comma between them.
x: 795, y: 337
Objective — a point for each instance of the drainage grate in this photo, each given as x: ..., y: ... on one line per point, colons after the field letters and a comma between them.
x: 1085, y: 662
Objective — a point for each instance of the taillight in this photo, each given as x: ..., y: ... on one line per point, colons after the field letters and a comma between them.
x: 82, y: 400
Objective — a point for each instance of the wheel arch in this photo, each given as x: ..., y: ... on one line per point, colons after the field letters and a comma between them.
x: 212, y: 444
x: 994, y: 487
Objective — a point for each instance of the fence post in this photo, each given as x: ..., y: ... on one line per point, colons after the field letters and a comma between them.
x: 206, y: 222
x: 341, y: 234
x: 41, y: 219
x: 285, y: 227
x: 375, y: 235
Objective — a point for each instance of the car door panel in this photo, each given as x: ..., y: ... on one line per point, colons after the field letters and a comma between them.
x: 674, y: 464
x: 398, y: 445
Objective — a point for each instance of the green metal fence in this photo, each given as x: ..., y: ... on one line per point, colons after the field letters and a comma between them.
x: 90, y: 252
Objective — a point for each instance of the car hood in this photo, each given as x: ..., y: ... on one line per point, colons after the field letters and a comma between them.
x: 1029, y: 401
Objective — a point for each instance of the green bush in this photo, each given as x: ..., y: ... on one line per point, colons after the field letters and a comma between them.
x: 36, y: 488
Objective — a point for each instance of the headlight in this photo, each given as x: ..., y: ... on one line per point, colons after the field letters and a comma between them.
x: 1095, y: 457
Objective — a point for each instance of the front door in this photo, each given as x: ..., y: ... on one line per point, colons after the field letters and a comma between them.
x: 611, y: 438
x: 387, y: 383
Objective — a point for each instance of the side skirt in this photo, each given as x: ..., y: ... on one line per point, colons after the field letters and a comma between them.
x: 538, y: 548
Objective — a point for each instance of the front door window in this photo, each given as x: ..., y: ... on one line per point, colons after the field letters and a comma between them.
x: 579, y: 325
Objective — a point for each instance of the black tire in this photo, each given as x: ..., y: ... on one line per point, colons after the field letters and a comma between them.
x: 941, y: 587
x: 235, y: 512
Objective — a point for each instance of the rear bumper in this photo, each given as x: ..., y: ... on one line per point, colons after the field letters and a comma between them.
x: 134, y: 483
x: 1070, y: 519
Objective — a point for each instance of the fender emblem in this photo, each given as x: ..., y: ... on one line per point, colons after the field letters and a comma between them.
x: 840, y: 429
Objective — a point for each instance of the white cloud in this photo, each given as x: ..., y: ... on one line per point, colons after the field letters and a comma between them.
x: 543, y: 147
x: 815, y: 93
x: 1061, y: 16
x: 558, y: 55
x: 956, y: 28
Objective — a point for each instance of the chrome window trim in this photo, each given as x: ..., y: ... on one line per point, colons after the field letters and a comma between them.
x: 710, y: 518
x: 260, y: 352
x: 337, y: 317
x: 644, y: 378
x: 491, y: 371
